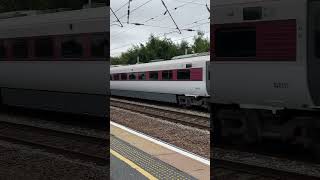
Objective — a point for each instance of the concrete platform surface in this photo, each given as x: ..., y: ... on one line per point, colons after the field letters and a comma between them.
x: 141, y: 158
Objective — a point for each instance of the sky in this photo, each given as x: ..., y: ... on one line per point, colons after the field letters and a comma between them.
x: 188, y: 14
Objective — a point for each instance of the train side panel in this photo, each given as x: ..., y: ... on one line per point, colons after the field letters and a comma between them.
x: 76, y: 84
x: 276, y: 74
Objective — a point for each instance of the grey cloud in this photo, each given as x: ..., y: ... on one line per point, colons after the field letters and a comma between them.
x: 186, y: 13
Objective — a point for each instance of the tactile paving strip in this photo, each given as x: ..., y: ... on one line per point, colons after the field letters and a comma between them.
x: 150, y: 164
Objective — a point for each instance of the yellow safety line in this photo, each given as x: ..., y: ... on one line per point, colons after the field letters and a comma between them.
x: 133, y: 165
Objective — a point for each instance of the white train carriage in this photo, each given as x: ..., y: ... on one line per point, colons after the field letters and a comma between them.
x: 182, y: 81
x: 56, y: 61
x: 266, y: 56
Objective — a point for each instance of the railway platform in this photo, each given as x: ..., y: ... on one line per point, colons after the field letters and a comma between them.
x: 134, y: 155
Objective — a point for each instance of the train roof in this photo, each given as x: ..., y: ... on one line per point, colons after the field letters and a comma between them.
x: 163, y: 63
x: 86, y: 20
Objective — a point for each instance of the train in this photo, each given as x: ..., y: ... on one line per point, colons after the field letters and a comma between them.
x: 182, y: 80
x: 265, y: 72
x: 56, y: 60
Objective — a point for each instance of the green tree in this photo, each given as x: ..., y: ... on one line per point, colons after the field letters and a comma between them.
x: 183, y: 46
x: 157, y: 48
x: 200, y: 44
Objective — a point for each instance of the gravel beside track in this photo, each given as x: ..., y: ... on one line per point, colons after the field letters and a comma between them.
x: 19, y: 162
x: 163, y: 106
x: 34, y: 147
x: 181, y: 117
x: 43, y: 123
x: 189, y: 138
x: 243, y: 165
x: 87, y: 148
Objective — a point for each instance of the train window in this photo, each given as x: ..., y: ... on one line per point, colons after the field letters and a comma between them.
x: 167, y: 75
x: 317, y: 44
x: 116, y: 76
x: 153, y: 75
x: 252, y: 13
x: 20, y: 48
x: 188, y: 65
x: 142, y: 76
x: 235, y: 42
x: 71, y: 47
x: 98, y: 45
x: 183, y: 74
x: 2, y: 50
x: 317, y: 36
x: 111, y: 78
x: 132, y: 76
x: 44, y: 47
x: 124, y: 76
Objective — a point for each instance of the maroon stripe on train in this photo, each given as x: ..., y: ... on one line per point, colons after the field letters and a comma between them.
x: 196, y: 74
x: 175, y: 75
x: 57, y: 40
x: 147, y: 75
x: 160, y: 75
x: 275, y: 40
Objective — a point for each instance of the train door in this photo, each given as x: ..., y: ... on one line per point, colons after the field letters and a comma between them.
x: 313, y: 50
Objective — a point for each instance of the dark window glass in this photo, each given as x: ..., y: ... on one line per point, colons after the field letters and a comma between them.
x: 124, y: 76
x: 98, y: 45
x: 20, y: 48
x: 235, y: 42
x: 71, y: 48
x: 142, y: 76
x: 2, y: 50
x: 44, y: 47
x: 167, y: 75
x: 252, y: 13
x: 132, y: 76
x: 317, y: 36
x: 317, y: 44
x: 153, y: 75
x: 183, y: 74
x: 188, y: 65
x: 111, y: 78
x: 116, y: 76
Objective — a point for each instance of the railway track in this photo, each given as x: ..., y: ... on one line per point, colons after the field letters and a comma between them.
x: 88, y: 149
x: 181, y: 117
x: 226, y: 169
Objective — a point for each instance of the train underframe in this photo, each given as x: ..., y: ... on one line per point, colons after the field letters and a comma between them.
x: 189, y: 101
x: 239, y: 126
x: 80, y: 104
x: 181, y: 100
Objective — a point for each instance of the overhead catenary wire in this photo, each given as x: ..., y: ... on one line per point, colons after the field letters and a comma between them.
x: 130, y: 44
x: 194, y: 22
x: 155, y: 26
x: 135, y: 9
x: 122, y: 6
x: 164, y: 34
x: 164, y: 4
x: 191, y: 2
x: 116, y: 17
x: 189, y: 28
x: 152, y: 18
x: 173, y: 9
